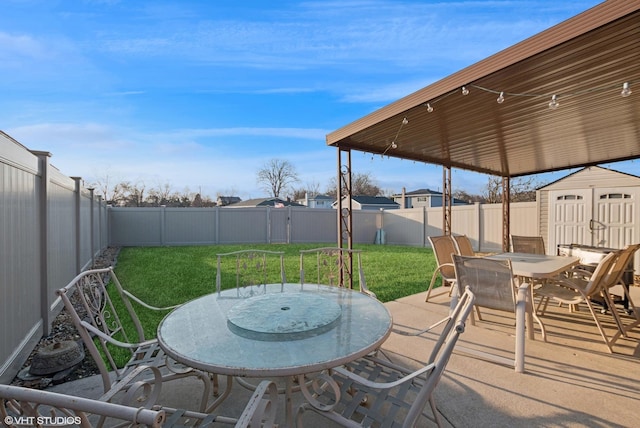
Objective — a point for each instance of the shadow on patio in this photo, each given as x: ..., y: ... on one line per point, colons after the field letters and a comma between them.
x: 571, y: 380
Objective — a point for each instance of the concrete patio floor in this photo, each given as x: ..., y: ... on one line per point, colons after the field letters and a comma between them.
x: 569, y: 381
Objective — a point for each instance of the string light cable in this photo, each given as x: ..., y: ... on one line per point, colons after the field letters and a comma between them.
x: 553, y: 98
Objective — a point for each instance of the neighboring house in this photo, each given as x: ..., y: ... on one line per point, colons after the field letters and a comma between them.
x: 223, y: 201
x: 371, y: 203
x: 265, y: 202
x: 317, y: 201
x: 423, y: 198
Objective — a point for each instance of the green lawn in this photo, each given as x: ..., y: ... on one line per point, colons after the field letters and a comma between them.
x: 164, y: 276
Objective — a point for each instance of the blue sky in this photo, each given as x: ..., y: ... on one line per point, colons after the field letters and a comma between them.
x: 200, y: 94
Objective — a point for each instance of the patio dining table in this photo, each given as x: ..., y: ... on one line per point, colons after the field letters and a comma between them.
x: 275, y: 330
x: 532, y: 267
x: 536, y: 267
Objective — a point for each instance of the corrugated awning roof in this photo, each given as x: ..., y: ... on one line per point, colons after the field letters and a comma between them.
x: 584, y: 61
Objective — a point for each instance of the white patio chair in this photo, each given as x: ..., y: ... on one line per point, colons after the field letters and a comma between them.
x: 21, y: 406
x: 443, y: 248
x: 580, y: 286
x: 97, y: 312
x: 249, y: 270
x: 328, y: 264
x: 374, y: 392
x: 463, y: 245
x: 616, y: 281
x: 495, y: 287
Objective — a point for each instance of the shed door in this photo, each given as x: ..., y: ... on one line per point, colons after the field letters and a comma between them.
x: 603, y: 217
x: 613, y: 220
x: 570, y: 215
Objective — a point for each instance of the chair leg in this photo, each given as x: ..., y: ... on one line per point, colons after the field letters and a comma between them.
x: 431, y: 284
x: 434, y: 410
x: 600, y: 327
x: 636, y: 316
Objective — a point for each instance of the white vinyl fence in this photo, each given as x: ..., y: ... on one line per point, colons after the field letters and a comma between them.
x: 51, y: 228
x: 133, y: 227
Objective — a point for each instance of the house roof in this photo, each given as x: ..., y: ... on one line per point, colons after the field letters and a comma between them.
x: 317, y: 197
x: 420, y: 192
x: 374, y: 200
x: 229, y: 199
x: 265, y: 202
x: 584, y: 61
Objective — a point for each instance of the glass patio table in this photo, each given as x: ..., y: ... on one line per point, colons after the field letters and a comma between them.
x: 277, y: 330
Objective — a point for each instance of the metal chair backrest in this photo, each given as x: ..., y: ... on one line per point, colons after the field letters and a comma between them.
x: 527, y: 244
x: 444, y: 247
x: 491, y: 281
x: 614, y: 276
x: 328, y: 264
x: 463, y: 244
x: 603, y: 275
x: 18, y: 402
x: 90, y: 306
x: 249, y: 270
x: 441, y: 354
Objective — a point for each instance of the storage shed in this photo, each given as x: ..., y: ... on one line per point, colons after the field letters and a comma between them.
x: 593, y: 206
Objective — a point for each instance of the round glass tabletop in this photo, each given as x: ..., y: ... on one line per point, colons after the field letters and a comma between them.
x: 286, y: 330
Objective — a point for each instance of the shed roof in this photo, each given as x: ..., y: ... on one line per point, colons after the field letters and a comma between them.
x: 584, y: 61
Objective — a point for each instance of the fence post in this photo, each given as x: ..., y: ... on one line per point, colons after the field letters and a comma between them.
x: 43, y: 213
x: 424, y: 226
x: 217, y: 224
x: 163, y: 224
x: 100, y: 237
x: 91, y: 226
x: 480, y: 227
x: 77, y: 222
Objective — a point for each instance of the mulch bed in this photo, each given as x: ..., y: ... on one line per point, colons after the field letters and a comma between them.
x: 62, y: 329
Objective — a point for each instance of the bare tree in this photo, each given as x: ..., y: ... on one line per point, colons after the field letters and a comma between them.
x: 133, y: 193
x: 111, y: 193
x: 523, y: 189
x: 362, y: 184
x: 463, y: 195
x: 276, y: 176
x: 311, y: 189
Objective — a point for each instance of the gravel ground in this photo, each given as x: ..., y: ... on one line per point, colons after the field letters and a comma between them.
x: 62, y: 329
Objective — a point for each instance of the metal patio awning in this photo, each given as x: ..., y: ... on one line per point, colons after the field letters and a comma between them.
x: 584, y: 62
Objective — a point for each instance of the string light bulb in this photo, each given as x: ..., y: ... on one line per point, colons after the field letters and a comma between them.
x: 429, y: 108
x: 554, y: 104
x: 500, y: 99
x: 626, y: 90
x: 393, y: 144
x: 465, y: 91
